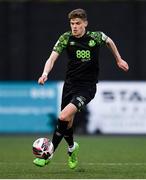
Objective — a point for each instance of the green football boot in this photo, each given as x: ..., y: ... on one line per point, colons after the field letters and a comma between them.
x: 41, y: 162
x: 73, y: 160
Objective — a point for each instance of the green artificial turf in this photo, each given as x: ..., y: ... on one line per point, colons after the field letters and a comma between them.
x: 113, y: 157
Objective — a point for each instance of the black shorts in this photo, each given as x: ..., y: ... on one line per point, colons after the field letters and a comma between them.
x: 79, y: 96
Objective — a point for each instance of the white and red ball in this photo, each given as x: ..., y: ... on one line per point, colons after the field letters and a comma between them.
x: 42, y: 148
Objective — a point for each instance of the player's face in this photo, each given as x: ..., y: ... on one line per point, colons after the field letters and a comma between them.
x: 78, y: 27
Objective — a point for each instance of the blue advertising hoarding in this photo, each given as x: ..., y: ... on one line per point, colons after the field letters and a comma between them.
x: 26, y: 107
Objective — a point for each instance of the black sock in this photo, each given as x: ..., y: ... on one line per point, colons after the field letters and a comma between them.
x: 68, y: 136
x: 59, y: 132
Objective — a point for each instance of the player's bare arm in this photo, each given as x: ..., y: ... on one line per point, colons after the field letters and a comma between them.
x: 48, y: 67
x: 120, y: 62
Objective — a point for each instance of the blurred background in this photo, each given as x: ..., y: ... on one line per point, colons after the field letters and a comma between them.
x: 28, y: 31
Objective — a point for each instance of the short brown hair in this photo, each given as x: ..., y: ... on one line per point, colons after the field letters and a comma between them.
x: 78, y: 13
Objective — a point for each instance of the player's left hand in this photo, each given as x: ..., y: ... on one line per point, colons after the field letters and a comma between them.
x: 123, y: 65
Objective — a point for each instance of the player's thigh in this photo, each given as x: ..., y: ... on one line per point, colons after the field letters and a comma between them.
x: 67, y: 114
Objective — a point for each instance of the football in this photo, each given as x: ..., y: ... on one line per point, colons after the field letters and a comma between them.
x: 42, y: 148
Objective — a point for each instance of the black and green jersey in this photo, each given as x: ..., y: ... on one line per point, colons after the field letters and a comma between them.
x: 83, y: 56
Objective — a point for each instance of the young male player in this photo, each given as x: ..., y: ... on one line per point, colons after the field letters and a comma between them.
x: 81, y: 76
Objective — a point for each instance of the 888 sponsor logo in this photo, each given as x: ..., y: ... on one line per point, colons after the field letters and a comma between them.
x: 83, y: 55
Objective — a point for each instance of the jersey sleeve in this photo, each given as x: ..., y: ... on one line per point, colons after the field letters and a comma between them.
x: 99, y: 37
x: 61, y: 43
x: 103, y: 37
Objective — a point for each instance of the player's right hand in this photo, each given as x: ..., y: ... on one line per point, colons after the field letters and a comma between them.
x: 42, y: 79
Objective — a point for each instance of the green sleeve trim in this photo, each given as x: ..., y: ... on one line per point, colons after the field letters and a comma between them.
x: 62, y: 42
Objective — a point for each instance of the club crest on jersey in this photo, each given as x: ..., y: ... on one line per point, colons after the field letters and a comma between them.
x: 72, y: 43
x: 91, y: 43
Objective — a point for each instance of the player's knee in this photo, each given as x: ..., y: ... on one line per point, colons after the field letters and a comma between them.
x: 63, y: 117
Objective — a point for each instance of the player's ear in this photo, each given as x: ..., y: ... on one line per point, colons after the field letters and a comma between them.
x: 86, y: 23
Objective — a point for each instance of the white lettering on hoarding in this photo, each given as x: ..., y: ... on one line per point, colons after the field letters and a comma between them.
x: 118, y: 107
